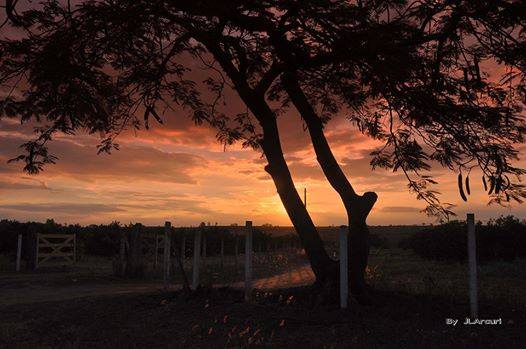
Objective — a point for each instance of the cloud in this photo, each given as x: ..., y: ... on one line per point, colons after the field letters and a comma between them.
x: 24, y: 186
x: 62, y: 208
x: 354, y: 168
x: 359, y: 167
x: 178, y: 171
x: 346, y: 136
x: 302, y: 171
x: 186, y: 205
x: 129, y: 163
x: 401, y: 209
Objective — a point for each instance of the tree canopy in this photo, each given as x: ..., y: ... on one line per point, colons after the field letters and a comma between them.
x: 435, y: 81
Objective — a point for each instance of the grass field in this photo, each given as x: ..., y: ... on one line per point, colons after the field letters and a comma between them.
x: 86, y: 306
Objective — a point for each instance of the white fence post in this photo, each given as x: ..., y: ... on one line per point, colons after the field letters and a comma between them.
x: 197, y: 255
x: 472, y: 262
x: 19, y: 252
x: 344, y: 272
x: 166, y: 260
x: 248, y: 261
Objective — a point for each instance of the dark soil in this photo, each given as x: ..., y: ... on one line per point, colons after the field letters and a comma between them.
x: 219, y: 318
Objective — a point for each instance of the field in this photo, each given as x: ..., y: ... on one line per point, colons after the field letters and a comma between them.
x: 85, y: 306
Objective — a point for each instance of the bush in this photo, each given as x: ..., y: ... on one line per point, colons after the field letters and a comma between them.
x: 9, y: 231
x: 104, y: 240
x: 501, y: 239
x: 101, y: 240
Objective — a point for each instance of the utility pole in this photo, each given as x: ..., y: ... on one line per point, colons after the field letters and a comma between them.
x: 305, y: 197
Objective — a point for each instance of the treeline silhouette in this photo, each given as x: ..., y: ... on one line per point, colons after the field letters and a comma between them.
x: 104, y: 239
x: 503, y: 239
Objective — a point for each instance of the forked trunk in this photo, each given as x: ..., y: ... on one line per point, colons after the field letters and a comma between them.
x: 322, y: 265
x: 358, y: 258
x: 356, y: 206
x: 359, y: 244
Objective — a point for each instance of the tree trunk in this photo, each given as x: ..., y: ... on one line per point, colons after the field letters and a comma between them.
x: 359, y: 243
x: 356, y: 206
x: 322, y: 265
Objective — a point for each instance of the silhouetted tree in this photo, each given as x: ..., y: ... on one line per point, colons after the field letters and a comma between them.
x: 412, y: 74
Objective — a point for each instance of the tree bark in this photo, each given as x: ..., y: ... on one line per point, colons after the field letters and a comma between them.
x: 356, y: 206
x: 322, y: 265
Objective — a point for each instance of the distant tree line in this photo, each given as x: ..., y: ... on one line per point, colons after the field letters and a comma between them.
x: 503, y: 239
x: 104, y: 239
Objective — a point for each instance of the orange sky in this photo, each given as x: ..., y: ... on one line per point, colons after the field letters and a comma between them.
x: 178, y: 172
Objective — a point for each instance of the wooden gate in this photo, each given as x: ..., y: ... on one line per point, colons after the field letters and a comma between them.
x: 56, y: 246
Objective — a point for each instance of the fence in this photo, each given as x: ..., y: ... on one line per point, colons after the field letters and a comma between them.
x: 212, y: 256
x: 50, y: 247
x: 239, y: 256
x: 221, y: 256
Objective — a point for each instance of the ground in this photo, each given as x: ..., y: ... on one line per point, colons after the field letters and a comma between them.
x: 85, y: 306
x: 282, y: 319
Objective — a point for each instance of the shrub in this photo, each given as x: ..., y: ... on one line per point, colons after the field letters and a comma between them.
x: 9, y: 231
x: 101, y: 240
x: 501, y: 239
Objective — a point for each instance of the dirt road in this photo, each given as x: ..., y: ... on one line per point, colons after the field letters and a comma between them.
x: 41, y: 287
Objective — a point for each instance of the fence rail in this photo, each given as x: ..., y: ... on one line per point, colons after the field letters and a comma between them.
x: 55, y: 246
x: 218, y: 255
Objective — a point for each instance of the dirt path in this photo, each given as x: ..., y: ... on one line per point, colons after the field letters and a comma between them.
x: 298, y: 277
x: 36, y: 294
x: 35, y: 288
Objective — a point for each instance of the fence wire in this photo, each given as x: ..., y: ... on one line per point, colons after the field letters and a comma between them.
x: 278, y: 260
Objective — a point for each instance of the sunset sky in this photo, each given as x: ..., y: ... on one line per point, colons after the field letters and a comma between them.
x: 179, y: 172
